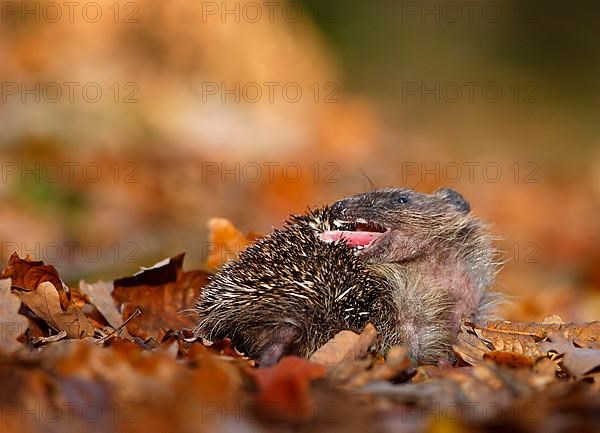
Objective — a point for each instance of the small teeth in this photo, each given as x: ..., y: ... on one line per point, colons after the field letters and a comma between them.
x: 358, y: 249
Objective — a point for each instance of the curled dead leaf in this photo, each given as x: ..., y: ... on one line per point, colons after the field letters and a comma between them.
x: 45, y: 303
x: 27, y: 274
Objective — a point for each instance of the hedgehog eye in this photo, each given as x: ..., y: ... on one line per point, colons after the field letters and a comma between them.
x: 402, y: 199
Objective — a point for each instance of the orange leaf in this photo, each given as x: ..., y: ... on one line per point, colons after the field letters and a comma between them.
x: 285, y: 388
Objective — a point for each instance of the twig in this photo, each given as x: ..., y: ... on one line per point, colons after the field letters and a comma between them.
x: 136, y: 313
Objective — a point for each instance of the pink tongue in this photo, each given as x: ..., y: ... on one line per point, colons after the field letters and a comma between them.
x: 353, y: 239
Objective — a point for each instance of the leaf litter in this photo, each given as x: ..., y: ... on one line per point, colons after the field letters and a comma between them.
x: 121, y: 356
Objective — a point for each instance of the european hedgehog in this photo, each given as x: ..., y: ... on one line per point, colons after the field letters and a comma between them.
x: 410, y: 263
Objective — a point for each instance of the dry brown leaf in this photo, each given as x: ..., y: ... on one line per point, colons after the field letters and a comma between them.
x: 45, y: 303
x: 578, y: 361
x: 100, y: 296
x: 164, y: 293
x: 287, y: 385
x: 345, y: 346
x: 146, y: 390
x: 12, y: 324
x: 27, y: 274
x: 544, y: 373
x: 512, y: 337
x: 520, y: 338
x: 583, y: 334
x: 395, y: 367
x: 470, y: 348
x: 510, y: 359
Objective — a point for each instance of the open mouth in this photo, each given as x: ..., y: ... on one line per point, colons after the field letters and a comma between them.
x: 359, y: 234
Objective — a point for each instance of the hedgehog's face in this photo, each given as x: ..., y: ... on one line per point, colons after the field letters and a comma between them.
x: 394, y: 224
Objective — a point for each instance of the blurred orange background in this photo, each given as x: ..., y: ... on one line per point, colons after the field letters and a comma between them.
x: 127, y: 125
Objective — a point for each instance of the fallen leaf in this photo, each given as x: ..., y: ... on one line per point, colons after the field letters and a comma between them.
x: 27, y: 274
x: 345, y: 346
x: 286, y: 386
x: 45, y: 303
x: 224, y: 347
x: 396, y: 367
x: 225, y: 241
x: 469, y: 347
x: 164, y: 293
x: 12, y: 324
x: 475, y: 341
x: 510, y: 359
x: 162, y: 272
x: 583, y: 334
x: 100, y: 296
x: 544, y: 373
x: 578, y: 361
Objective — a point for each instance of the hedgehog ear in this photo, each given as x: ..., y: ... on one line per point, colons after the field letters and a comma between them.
x: 281, y: 342
x: 454, y: 198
